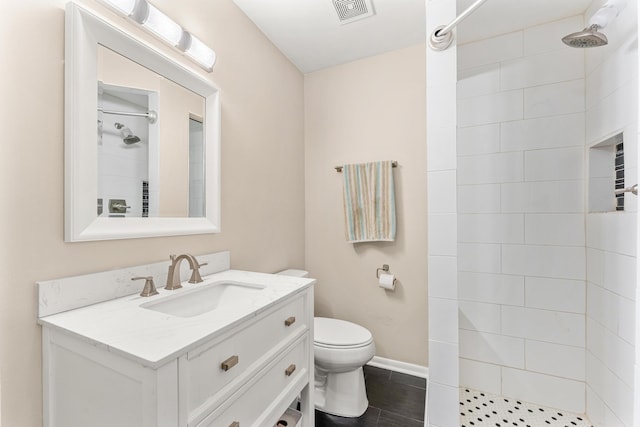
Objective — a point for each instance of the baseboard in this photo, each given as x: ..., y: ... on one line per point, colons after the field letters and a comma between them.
x: 402, y: 367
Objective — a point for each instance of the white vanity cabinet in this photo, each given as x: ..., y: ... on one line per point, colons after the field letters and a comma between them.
x: 246, y: 374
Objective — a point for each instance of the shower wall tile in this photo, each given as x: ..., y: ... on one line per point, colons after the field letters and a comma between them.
x: 478, y: 81
x: 543, y: 197
x: 610, y: 232
x: 561, y: 262
x: 620, y: 274
x: 543, y: 325
x: 491, y: 228
x: 555, y: 359
x: 491, y: 168
x: 548, y: 132
x: 441, y: 369
x: 554, y: 164
x: 616, y: 395
x: 595, y: 266
x: 612, y: 113
x: 554, y: 99
x: 547, y: 68
x: 544, y: 389
x: 441, y: 197
x: 480, y: 376
x: 546, y: 37
x: 483, y: 139
x: 491, y: 288
x: 495, y: 108
x: 479, y: 258
x: 617, y: 354
x: 478, y: 316
x: 443, y: 402
x: 490, y: 51
x: 613, y: 312
x: 442, y: 276
x: 610, y: 76
x: 441, y: 149
x: 556, y: 294
x: 479, y: 198
x: 442, y: 239
x: 555, y: 229
x: 443, y: 312
x: 492, y: 348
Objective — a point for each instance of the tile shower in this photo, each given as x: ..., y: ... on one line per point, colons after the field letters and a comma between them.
x: 545, y: 286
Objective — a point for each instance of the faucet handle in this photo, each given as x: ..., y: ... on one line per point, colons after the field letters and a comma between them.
x: 149, y: 287
x: 195, y: 272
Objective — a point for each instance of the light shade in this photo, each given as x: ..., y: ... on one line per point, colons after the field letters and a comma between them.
x: 163, y: 26
x: 201, y: 53
x: 123, y: 6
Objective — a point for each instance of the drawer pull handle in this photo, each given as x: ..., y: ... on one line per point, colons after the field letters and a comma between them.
x: 234, y: 424
x: 290, y: 370
x: 290, y: 321
x: 228, y: 364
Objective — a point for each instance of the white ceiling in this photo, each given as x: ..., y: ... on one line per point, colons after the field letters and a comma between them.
x: 310, y: 34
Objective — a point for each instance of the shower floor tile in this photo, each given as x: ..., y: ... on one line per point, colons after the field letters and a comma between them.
x: 485, y: 409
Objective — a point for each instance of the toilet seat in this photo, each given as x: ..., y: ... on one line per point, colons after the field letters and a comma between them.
x: 339, y: 334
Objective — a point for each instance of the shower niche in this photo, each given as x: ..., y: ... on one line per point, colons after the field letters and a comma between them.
x: 607, y: 175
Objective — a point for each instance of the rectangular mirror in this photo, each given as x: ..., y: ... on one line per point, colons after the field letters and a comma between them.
x: 142, y: 138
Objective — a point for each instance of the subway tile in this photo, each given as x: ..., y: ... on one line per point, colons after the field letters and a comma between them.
x: 491, y: 288
x: 491, y: 228
x: 610, y: 76
x: 595, y: 408
x: 478, y: 81
x: 479, y: 316
x: 554, y: 99
x: 442, y: 192
x: 545, y: 390
x: 616, y: 354
x: 442, y: 234
x: 544, y: 325
x: 495, y: 108
x: 595, y: 266
x: 483, y: 198
x: 543, y: 69
x: 492, y: 348
x: 556, y: 294
x: 546, y: 132
x: 479, y: 258
x: 443, y: 363
x: 620, y: 274
x: 614, y: 112
x: 543, y: 197
x: 554, y: 165
x: 554, y: 229
x: 484, y: 139
x: 610, y: 232
x: 443, y: 403
x: 491, y: 168
x: 561, y: 262
x: 441, y: 146
x: 547, y: 37
x: 555, y: 359
x: 480, y: 376
x: 489, y: 51
x: 443, y: 312
x: 442, y: 275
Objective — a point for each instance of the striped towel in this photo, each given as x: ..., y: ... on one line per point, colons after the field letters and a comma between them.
x: 369, y: 202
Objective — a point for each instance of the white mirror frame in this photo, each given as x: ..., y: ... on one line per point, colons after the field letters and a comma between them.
x: 83, y: 33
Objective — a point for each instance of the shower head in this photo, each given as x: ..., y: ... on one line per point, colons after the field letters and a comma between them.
x: 589, y: 37
x: 126, y: 134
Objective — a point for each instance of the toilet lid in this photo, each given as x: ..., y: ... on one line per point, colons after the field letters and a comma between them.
x: 334, y: 332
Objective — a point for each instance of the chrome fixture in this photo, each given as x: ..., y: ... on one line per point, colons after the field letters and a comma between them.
x: 149, y: 287
x: 173, y: 276
x: 591, y: 36
x: 394, y: 164
x: 166, y: 29
x: 151, y: 115
x: 442, y: 36
x: 127, y: 134
x: 633, y: 190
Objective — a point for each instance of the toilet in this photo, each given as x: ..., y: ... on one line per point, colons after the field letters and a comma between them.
x: 341, y: 349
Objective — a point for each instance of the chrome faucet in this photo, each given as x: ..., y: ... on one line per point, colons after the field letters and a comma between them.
x: 173, y: 276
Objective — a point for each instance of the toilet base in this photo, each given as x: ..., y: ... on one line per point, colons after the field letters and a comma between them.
x: 343, y: 394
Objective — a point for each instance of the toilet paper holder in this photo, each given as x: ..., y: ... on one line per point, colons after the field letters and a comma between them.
x: 385, y: 269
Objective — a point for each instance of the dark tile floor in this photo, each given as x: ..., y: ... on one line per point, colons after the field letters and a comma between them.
x: 395, y: 400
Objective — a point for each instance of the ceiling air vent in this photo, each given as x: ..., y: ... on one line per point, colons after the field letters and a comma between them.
x: 353, y: 10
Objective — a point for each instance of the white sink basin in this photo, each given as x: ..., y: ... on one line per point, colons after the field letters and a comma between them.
x: 202, y: 300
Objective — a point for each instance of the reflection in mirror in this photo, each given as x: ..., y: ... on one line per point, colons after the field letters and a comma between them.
x: 144, y: 159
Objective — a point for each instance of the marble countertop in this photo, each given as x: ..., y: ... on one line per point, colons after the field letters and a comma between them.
x: 153, y: 338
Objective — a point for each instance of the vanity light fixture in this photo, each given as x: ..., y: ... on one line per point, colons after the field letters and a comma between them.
x: 166, y: 29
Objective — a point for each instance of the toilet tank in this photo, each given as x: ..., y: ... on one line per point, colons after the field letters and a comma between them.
x: 294, y: 273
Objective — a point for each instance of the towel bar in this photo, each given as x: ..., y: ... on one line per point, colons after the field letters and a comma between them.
x: 339, y: 168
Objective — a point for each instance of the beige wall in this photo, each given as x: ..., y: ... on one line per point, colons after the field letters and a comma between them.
x: 262, y: 176
x: 367, y: 110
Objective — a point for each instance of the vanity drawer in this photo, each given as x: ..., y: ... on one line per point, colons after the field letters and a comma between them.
x: 215, y: 370
x: 248, y: 407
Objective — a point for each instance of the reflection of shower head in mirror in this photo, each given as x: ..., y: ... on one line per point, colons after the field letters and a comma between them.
x: 126, y: 134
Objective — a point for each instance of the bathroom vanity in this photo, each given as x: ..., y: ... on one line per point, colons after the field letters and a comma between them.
x: 234, y: 350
